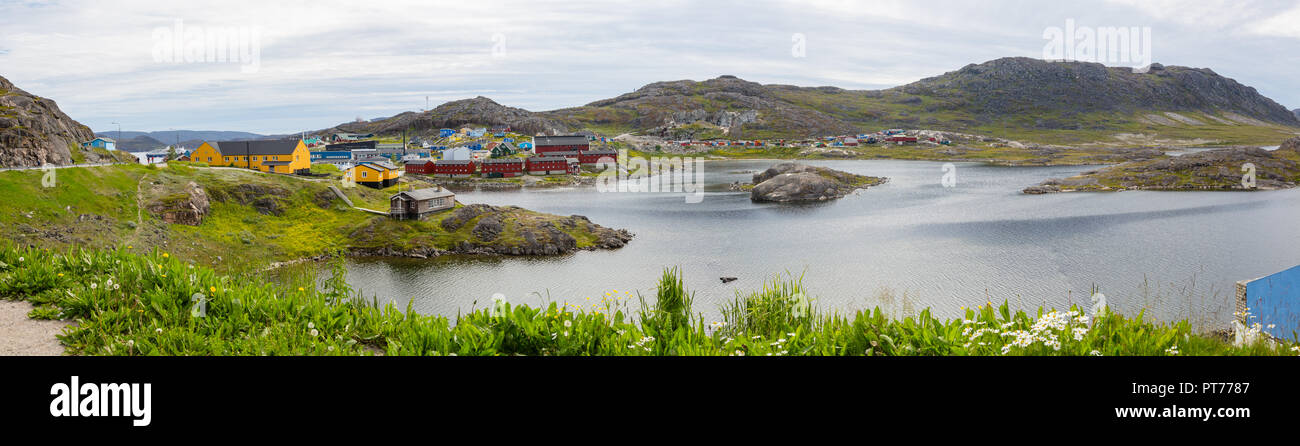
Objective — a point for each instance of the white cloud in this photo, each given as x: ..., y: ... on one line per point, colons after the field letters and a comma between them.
x: 324, y: 62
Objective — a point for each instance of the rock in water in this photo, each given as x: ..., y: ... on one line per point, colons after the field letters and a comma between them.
x: 727, y: 279
x: 794, y: 182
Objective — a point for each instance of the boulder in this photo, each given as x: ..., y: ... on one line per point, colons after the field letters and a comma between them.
x: 801, y: 186
x: 1291, y: 145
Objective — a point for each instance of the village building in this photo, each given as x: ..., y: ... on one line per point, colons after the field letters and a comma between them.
x: 341, y: 137
x: 574, y: 154
x: 453, y: 168
x: 100, y: 143
x: 546, y: 165
x: 456, y: 153
x: 353, y: 145
x: 277, y: 156
x: 376, y: 174
x: 594, y: 156
x: 503, y: 167
x: 546, y: 144
x: 418, y: 203
x: 420, y: 166
x: 504, y: 149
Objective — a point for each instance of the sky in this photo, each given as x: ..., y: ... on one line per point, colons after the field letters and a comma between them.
x: 307, y: 65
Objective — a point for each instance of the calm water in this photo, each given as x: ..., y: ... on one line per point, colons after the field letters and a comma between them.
x: 1175, y: 254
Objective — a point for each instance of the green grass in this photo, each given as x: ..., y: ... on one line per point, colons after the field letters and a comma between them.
x: 127, y: 302
x: 285, y: 218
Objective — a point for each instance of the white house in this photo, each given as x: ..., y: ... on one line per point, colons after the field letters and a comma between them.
x: 456, y: 153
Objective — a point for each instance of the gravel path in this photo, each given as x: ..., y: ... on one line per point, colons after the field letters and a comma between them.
x: 22, y: 336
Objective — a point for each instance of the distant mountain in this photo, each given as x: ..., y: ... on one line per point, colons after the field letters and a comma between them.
x: 1018, y: 98
x: 171, y: 136
x: 141, y: 143
x: 1296, y: 112
x: 33, y: 131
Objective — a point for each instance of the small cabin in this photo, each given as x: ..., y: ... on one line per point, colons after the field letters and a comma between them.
x: 101, y: 143
x: 416, y: 204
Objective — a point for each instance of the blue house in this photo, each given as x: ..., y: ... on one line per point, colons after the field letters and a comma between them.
x: 443, y: 133
x: 526, y: 145
x: 477, y: 133
x: 101, y: 143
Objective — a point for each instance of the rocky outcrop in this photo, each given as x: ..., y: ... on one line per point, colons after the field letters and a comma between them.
x: 185, y: 208
x: 1220, y: 169
x: 267, y: 200
x: 1290, y: 145
x: 33, y: 131
x: 502, y: 230
x: 794, y: 182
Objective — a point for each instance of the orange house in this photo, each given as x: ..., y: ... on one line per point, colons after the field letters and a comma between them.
x: 278, y: 156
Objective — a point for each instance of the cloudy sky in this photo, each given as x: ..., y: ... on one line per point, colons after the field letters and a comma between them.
x: 322, y: 62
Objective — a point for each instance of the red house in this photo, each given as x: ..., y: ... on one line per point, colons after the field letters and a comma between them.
x: 506, y: 167
x: 901, y: 139
x: 542, y: 165
x: 419, y: 166
x: 453, y: 168
x: 547, y: 144
x: 594, y: 156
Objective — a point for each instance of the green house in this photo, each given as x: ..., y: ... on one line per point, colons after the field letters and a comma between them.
x: 504, y: 149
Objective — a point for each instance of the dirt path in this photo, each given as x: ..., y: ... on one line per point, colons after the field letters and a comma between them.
x: 22, y: 336
x: 139, y: 209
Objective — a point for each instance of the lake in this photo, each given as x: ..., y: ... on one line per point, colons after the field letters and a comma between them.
x: 905, y: 245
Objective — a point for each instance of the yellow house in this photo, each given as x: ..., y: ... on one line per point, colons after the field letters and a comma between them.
x: 279, y: 156
x: 376, y: 174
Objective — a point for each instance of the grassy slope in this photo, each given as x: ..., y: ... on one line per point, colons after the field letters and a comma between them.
x: 234, y: 236
x: 127, y: 303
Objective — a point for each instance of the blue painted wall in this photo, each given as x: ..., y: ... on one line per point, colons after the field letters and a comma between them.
x: 1275, y: 299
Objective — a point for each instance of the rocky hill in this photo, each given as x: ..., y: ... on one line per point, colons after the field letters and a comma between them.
x: 1003, y: 97
x: 33, y: 131
x: 725, y: 106
x: 479, y: 111
x: 1296, y: 112
x: 142, y: 143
